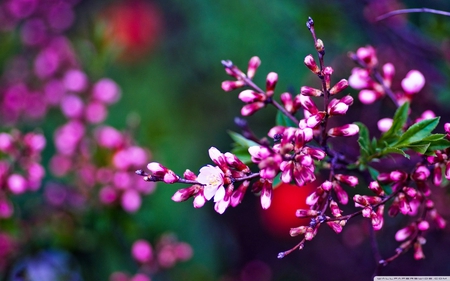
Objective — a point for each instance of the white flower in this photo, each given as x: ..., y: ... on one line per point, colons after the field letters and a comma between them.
x: 212, y: 179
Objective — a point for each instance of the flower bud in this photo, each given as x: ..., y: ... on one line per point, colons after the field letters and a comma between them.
x: 319, y: 46
x: 228, y: 86
x: 309, y: 91
x: 368, y: 96
x: 184, y: 194
x: 308, y: 104
x: 249, y: 96
x: 350, y: 180
x: 344, y: 131
x: 413, y: 82
x: 388, y: 73
x: 297, y: 230
x: 311, y: 64
x: 253, y: 65
x: 301, y: 213
x: 271, y: 82
x: 250, y: 109
x: 385, y: 124
x: 339, y: 87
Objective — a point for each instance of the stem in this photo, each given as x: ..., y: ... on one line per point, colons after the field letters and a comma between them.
x: 249, y: 82
x: 409, y: 11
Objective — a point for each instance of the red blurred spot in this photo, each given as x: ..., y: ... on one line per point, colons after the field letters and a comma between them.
x: 135, y: 26
x: 286, y: 199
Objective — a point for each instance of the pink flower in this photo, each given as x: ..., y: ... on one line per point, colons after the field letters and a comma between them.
x: 106, y: 90
x: 75, y: 80
x: 212, y: 179
x: 413, y: 82
x: 344, y: 131
x: 142, y: 251
x: 384, y: 124
x: 131, y: 201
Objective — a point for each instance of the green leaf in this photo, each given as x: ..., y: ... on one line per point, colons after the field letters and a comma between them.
x: 417, y: 132
x: 243, y: 154
x: 363, y: 140
x: 434, y: 137
x: 439, y: 145
x: 419, y: 148
x: 388, y: 150
x: 283, y: 120
x: 241, y: 140
x: 399, y: 120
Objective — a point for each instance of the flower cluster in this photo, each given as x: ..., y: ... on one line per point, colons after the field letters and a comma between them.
x: 216, y: 182
x: 91, y: 164
x: 298, y: 146
x: 165, y: 254
x: 374, y: 85
x: 20, y: 166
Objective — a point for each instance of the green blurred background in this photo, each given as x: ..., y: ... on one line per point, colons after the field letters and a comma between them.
x: 170, y: 80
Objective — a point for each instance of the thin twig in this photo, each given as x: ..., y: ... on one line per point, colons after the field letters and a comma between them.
x: 409, y: 11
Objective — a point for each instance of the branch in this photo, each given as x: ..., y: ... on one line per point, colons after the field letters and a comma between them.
x: 409, y: 11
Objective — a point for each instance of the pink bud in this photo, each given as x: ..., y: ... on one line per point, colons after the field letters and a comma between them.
x: 142, y: 251
x: 404, y: 233
x: 344, y: 131
x: 341, y: 194
x: 170, y: 177
x: 335, y: 107
x: 184, y: 194
x: 308, y: 104
x: 266, y: 195
x: 413, y: 82
x: 297, y: 231
x: 385, y: 124
x: 447, y: 128
x: 189, y: 175
x: 222, y: 204
x: 423, y: 225
x: 359, y: 79
x: 368, y: 96
x: 315, y: 119
x: 72, y: 106
x: 157, y: 169
x: 250, y: 109
x: 106, y: 90
x: 250, y: 96
x: 228, y: 86
x: 17, y: 184
x: 131, y: 201
x: 339, y: 87
x: 107, y: 195
x: 350, y: 180
x: 335, y: 225
x: 6, y: 208
x: 253, y: 65
x: 75, y: 80
x: 108, y: 137
x: 309, y: 91
x: 368, y: 55
x: 311, y: 64
x: 6, y: 142
x: 388, y: 73
x: 271, y: 82
x: 199, y: 200
x: 375, y: 187
x: 95, y: 112
x: 216, y: 156
x: 239, y: 193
